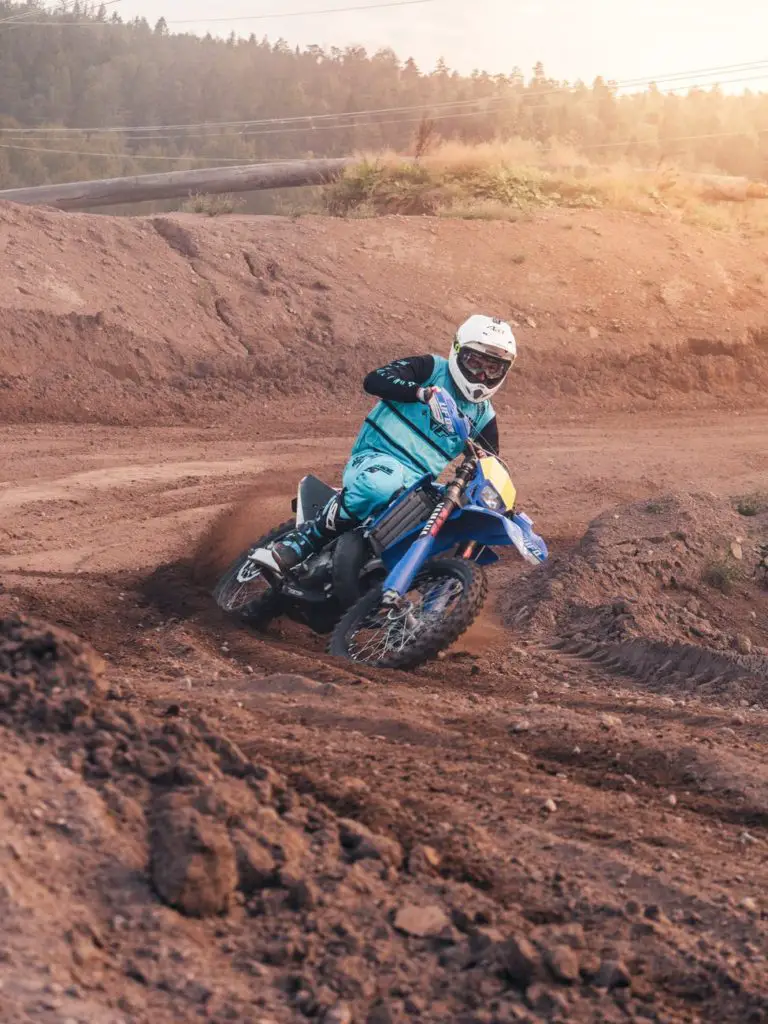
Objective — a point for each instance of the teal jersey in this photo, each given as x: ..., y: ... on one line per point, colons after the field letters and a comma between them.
x: 407, y: 431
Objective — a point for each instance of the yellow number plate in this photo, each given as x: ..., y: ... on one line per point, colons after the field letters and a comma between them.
x: 495, y: 473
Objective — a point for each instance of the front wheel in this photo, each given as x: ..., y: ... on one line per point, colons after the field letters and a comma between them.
x: 443, y: 601
x: 245, y: 589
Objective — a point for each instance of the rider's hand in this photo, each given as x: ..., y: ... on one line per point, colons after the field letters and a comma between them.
x: 429, y: 396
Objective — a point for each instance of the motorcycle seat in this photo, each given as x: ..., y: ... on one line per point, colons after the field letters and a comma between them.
x: 313, y: 496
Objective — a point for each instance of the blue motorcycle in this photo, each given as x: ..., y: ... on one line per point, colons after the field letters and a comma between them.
x: 407, y: 583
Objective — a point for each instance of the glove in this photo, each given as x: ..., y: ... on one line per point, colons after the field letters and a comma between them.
x: 442, y: 408
x: 430, y: 398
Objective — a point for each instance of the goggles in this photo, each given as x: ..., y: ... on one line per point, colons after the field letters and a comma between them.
x: 480, y: 367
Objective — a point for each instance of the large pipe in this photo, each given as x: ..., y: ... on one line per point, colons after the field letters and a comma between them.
x: 84, y: 195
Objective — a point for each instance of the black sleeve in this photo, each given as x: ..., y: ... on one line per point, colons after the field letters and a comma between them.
x: 400, y: 380
x: 489, y: 436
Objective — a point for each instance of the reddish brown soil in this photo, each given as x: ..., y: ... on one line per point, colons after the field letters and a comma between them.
x: 186, y: 319
x: 183, y: 815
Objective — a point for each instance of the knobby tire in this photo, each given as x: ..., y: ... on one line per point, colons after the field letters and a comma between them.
x: 438, y: 638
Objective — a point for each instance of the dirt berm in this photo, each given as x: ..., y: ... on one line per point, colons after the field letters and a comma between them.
x: 175, y: 319
x: 670, y: 590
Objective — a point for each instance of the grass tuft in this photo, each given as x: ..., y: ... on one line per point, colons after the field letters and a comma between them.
x: 752, y: 504
x: 722, y: 575
x: 655, y: 507
x: 211, y: 205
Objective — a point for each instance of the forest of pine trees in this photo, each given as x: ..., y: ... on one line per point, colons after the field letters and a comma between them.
x: 109, y: 73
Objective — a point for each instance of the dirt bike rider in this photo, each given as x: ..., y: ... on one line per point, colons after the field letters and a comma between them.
x: 403, y: 438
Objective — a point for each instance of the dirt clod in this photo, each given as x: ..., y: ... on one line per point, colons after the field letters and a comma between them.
x: 423, y: 859
x: 563, y: 963
x: 613, y: 974
x: 341, y: 1013
x: 362, y: 844
x: 545, y: 1001
x: 256, y: 866
x: 193, y: 863
x: 424, y: 922
x: 520, y: 960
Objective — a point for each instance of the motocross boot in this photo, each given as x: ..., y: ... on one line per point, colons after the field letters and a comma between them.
x: 306, y: 540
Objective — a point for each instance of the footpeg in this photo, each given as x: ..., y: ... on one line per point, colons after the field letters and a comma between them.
x: 265, y: 559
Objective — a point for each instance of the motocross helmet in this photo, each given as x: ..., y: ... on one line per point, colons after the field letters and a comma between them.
x: 482, y: 355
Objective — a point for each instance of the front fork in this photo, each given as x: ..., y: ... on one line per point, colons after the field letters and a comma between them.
x: 398, y: 582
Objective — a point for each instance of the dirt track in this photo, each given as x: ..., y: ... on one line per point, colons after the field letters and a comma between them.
x: 89, y: 513
x: 650, y: 865
x: 106, y: 499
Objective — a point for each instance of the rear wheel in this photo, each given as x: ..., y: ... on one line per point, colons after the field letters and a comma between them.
x: 245, y: 589
x: 444, y: 600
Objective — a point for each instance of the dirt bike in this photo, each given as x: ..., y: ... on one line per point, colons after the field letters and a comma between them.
x: 407, y: 582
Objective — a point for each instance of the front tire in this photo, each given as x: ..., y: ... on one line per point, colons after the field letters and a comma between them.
x: 444, y: 600
x: 255, y: 599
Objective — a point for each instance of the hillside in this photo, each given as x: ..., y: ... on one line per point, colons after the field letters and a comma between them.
x: 186, y: 318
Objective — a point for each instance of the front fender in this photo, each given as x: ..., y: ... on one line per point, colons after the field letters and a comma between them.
x: 490, y: 529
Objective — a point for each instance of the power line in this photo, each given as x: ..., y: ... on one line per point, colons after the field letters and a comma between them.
x: 426, y: 107
x: 715, y: 84
x: 121, y: 156
x: 92, y: 23
x: 139, y: 156
x: 310, y: 129
x: 251, y: 123
x: 238, y: 160
x: 689, y: 74
x: 20, y: 19
x: 245, y: 132
x: 302, y: 14
x: 677, y: 138
x: 245, y: 129
x: 21, y: 16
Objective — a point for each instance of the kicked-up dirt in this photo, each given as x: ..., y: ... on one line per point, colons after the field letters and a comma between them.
x: 563, y: 819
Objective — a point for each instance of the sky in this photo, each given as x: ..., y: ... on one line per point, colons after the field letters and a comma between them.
x: 620, y: 39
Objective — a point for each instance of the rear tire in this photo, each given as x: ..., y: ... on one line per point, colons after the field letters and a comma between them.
x: 256, y: 606
x: 432, y: 637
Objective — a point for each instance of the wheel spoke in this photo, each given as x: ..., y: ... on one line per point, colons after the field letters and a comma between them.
x: 386, y: 633
x: 241, y: 589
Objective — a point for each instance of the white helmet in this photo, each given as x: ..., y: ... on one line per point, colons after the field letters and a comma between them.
x: 481, y: 357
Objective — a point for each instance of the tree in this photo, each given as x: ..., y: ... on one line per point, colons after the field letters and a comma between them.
x: 133, y: 74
